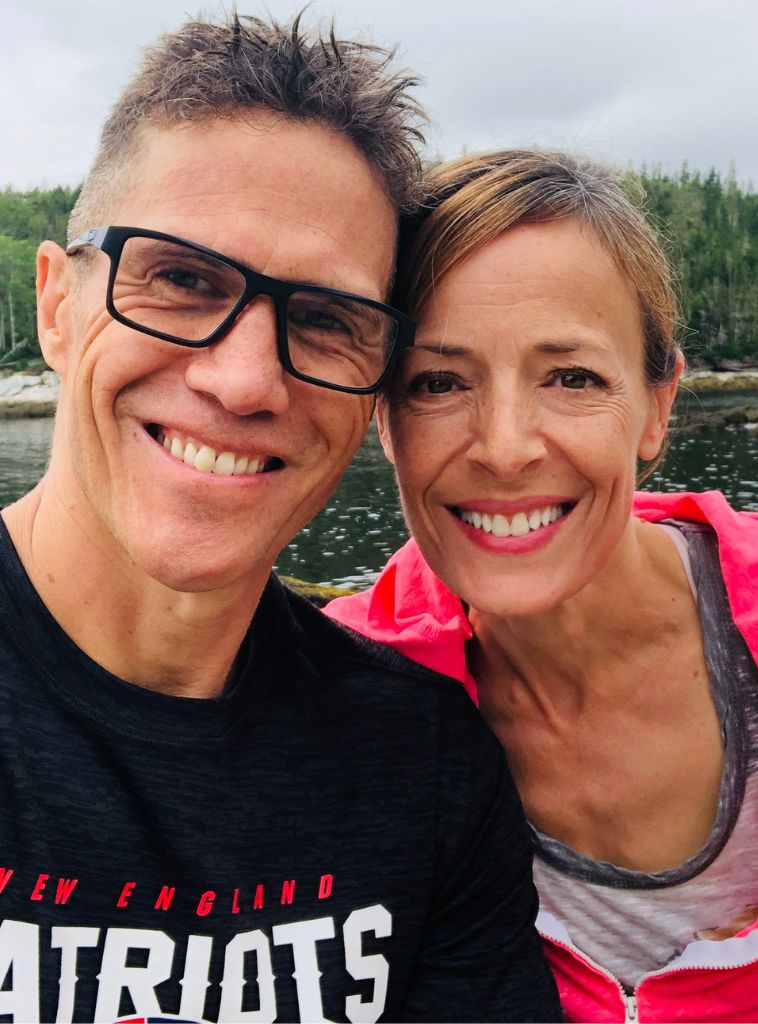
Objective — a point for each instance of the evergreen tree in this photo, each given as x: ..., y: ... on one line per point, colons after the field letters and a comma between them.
x: 710, y: 225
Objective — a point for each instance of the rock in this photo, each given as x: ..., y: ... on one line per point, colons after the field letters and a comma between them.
x: 736, y: 417
x: 709, y: 380
x: 319, y: 593
x: 29, y: 395
x: 10, y: 386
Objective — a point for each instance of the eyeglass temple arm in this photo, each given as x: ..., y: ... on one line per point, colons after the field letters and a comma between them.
x: 95, y: 236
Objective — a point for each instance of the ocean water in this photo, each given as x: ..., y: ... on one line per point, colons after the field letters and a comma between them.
x: 350, y: 540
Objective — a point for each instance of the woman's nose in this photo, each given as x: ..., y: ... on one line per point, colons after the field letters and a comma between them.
x: 243, y: 370
x: 507, y: 435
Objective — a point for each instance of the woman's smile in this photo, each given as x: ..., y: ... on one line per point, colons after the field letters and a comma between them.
x: 493, y: 526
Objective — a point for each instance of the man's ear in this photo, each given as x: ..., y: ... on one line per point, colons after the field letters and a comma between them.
x: 661, y: 402
x: 382, y: 423
x: 53, y: 288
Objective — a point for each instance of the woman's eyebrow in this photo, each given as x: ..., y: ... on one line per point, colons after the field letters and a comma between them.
x: 553, y: 348
x: 563, y: 348
x: 440, y: 349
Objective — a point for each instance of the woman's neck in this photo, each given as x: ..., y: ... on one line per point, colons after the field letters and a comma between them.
x: 566, y: 652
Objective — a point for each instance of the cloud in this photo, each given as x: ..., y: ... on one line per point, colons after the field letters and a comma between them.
x: 628, y: 80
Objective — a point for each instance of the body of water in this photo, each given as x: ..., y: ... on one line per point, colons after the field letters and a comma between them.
x: 362, y: 525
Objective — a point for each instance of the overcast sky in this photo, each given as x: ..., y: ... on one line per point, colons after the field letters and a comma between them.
x: 656, y: 81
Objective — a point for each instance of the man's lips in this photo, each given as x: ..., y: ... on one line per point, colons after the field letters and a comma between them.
x: 207, y: 457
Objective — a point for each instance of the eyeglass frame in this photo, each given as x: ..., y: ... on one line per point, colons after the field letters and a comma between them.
x: 110, y: 239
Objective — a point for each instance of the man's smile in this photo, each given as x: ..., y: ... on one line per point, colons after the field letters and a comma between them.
x: 205, y: 458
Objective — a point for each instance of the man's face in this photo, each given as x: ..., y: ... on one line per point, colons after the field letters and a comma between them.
x: 293, y: 201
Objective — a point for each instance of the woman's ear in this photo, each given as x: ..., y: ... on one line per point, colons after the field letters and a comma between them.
x: 661, y: 402
x: 382, y: 423
x: 53, y: 287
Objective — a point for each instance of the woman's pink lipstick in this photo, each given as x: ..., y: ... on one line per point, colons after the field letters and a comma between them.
x: 531, y: 541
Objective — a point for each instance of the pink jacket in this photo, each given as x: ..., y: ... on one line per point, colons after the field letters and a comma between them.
x: 412, y: 611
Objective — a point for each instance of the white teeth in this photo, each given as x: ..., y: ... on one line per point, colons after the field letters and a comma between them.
x: 518, y: 525
x: 205, y: 460
x: 500, y: 526
x: 224, y: 464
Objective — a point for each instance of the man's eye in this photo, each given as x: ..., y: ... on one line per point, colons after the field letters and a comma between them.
x: 317, y: 319
x: 187, y: 280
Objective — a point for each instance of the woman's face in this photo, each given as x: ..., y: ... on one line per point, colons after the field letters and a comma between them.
x: 516, y: 420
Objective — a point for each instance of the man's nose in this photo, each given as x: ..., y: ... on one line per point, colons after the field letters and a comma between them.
x: 507, y: 432
x: 243, y: 370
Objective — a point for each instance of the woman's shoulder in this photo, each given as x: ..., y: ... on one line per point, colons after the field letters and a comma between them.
x: 410, y: 609
x: 710, y: 507
x: 737, y: 537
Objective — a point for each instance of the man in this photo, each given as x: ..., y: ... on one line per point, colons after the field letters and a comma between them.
x: 200, y: 816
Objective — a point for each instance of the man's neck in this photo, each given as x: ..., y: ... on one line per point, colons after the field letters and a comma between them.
x: 178, y: 643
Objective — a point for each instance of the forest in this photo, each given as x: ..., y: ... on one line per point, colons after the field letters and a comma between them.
x: 708, y: 221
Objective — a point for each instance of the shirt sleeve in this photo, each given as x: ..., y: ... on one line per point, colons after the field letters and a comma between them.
x: 481, y: 958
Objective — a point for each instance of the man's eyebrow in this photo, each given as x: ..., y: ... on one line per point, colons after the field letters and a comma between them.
x: 176, y: 250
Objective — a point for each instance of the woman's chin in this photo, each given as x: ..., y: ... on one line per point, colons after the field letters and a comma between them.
x: 519, y: 601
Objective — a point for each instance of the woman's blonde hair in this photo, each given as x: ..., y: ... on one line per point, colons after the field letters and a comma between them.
x: 472, y: 200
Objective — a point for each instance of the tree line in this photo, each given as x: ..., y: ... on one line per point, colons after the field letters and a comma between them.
x: 708, y: 221
x: 25, y: 219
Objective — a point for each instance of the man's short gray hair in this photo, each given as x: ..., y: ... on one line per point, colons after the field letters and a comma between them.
x: 225, y: 70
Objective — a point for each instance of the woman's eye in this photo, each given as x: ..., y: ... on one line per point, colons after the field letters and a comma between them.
x: 576, y: 380
x: 431, y: 384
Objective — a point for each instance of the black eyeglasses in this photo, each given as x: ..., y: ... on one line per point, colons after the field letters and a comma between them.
x: 189, y: 295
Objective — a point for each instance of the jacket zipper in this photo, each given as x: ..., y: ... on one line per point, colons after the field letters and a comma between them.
x: 629, y: 1002
x: 631, y: 1008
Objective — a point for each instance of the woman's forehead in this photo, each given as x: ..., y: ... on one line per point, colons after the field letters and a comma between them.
x: 529, y: 269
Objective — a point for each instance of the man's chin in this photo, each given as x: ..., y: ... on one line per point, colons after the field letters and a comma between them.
x: 196, y: 572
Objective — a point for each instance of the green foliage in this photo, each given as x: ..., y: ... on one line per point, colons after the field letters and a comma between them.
x: 32, y: 216
x: 710, y: 223
x: 711, y: 226
x: 25, y: 219
x: 17, y: 314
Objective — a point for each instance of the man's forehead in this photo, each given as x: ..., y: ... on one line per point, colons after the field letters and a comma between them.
x: 262, y: 189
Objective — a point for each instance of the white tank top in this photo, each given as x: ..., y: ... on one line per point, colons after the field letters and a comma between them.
x: 633, y: 922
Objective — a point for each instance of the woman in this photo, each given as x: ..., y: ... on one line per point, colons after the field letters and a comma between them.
x: 610, y: 640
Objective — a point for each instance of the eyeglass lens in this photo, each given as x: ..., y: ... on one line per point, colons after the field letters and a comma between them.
x: 167, y: 287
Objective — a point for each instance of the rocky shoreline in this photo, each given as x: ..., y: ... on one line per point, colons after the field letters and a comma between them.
x: 721, y: 380
x: 24, y: 395
x: 36, y: 394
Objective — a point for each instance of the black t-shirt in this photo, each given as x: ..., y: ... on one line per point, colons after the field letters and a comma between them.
x: 334, y: 838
